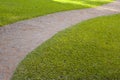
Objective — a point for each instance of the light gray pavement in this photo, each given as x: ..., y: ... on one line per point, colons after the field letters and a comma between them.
x: 18, y: 39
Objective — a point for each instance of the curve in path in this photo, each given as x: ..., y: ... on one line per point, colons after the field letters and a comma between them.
x: 18, y: 39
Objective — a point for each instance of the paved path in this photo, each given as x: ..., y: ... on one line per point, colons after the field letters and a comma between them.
x: 18, y: 39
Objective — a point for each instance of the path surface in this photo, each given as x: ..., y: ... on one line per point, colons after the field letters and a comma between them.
x: 18, y: 39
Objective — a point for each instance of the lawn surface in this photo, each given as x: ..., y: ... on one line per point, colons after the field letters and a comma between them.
x: 14, y: 10
x: 87, y: 51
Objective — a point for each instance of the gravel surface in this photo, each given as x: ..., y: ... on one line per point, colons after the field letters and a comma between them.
x: 18, y: 39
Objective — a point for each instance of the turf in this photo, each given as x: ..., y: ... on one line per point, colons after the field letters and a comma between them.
x: 15, y: 10
x: 87, y: 51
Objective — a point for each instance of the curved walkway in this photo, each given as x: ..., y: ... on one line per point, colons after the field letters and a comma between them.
x: 18, y: 39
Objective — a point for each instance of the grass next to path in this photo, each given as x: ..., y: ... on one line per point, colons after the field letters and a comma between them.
x: 14, y: 10
x: 87, y: 51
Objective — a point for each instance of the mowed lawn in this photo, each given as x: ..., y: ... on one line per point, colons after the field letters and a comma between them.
x: 14, y: 10
x: 87, y: 51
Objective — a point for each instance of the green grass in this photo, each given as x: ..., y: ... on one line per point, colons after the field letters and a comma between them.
x: 15, y: 10
x: 87, y: 51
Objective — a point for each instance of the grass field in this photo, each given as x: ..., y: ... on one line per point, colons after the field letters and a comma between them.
x: 87, y: 51
x: 15, y: 10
